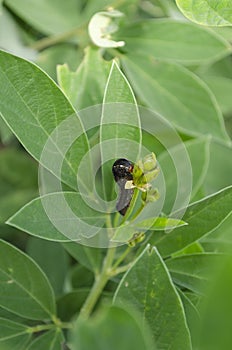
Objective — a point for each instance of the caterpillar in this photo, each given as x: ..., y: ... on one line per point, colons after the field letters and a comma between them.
x: 122, y: 170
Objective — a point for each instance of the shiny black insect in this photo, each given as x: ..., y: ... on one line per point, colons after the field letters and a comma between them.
x: 122, y: 170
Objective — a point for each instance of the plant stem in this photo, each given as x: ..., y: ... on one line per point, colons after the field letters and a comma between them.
x: 122, y: 257
x: 47, y: 327
x: 55, y: 39
x: 99, y: 284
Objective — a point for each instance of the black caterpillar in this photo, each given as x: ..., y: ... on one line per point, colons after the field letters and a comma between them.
x: 122, y: 170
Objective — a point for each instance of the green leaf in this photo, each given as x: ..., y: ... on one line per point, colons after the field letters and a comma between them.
x: 202, y: 217
x: 104, y: 329
x: 198, y: 151
x: 120, y: 131
x: 192, y: 317
x: 125, y: 232
x: 13, y: 335
x: 49, y: 58
x: 220, y: 168
x: 51, y: 340
x: 177, y: 94
x: 216, y: 311
x: 18, y: 181
x: 220, y: 239
x: 38, y: 14
x: 14, y: 41
x: 61, y: 217
x: 24, y: 288
x: 31, y: 99
x: 167, y: 39
x: 207, y: 12
x: 159, y: 223
x: 86, y: 86
x: 193, y: 271
x: 81, y: 277
x: 53, y: 260
x: 5, y: 133
x: 87, y: 256
x: 148, y: 287
x: 70, y: 303
x: 10, y: 329
x: 221, y: 88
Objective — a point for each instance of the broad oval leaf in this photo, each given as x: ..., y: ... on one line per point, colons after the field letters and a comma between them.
x: 41, y: 117
x: 120, y: 131
x: 177, y: 94
x: 60, y: 217
x: 207, y: 12
x: 202, y: 217
x: 148, y: 287
x: 173, y: 40
x: 25, y: 289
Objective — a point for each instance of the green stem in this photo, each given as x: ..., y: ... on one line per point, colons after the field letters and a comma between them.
x: 138, y: 211
x: 120, y: 269
x: 55, y: 39
x: 122, y: 257
x: 99, y: 284
x: 47, y: 327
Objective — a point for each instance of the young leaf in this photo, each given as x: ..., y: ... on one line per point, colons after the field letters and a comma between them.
x: 51, y: 128
x: 86, y: 86
x: 125, y: 232
x: 202, y: 217
x: 177, y: 94
x: 51, y: 340
x: 24, y: 288
x: 104, y: 329
x: 61, y: 217
x: 167, y: 39
x: 149, y: 288
x: 209, y: 13
x: 120, y: 132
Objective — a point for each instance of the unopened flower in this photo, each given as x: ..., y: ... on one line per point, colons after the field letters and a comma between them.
x: 102, y: 25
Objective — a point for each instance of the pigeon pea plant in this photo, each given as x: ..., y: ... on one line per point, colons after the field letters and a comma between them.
x: 83, y: 276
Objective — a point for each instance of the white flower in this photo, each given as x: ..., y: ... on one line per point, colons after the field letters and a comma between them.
x: 101, y: 26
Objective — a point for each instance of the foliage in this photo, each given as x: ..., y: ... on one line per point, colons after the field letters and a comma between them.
x: 75, y: 274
